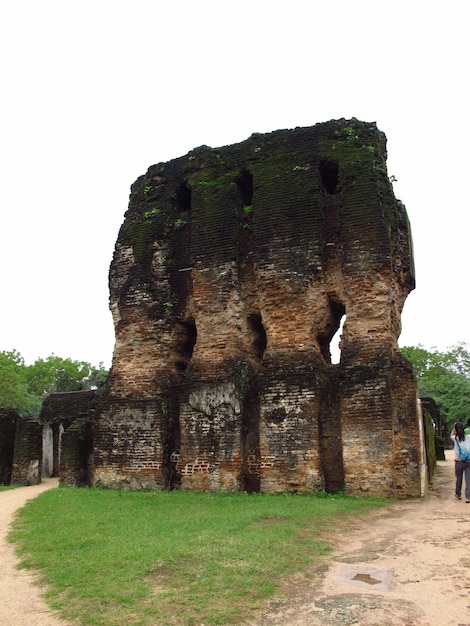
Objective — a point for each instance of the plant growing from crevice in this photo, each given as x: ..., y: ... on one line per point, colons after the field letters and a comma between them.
x: 180, y: 223
x: 153, y: 213
x: 350, y: 133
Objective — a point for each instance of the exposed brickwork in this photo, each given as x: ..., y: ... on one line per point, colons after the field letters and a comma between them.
x: 27, y: 448
x: 231, y: 273
x: 131, y: 446
x: 76, y: 454
x: 8, y: 419
x: 70, y: 415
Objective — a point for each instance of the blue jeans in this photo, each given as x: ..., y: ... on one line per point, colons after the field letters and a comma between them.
x: 460, y: 468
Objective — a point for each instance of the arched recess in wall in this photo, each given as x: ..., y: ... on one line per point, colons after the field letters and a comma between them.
x: 182, y: 198
x: 244, y: 184
x: 258, y: 335
x: 183, y: 341
x: 329, y: 173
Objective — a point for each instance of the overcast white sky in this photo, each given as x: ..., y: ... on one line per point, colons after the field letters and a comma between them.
x: 96, y: 91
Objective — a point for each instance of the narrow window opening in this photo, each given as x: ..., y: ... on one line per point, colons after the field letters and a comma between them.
x: 245, y: 187
x: 329, y: 175
x: 328, y: 340
x: 259, y: 339
x: 184, y: 340
x: 182, y: 198
x: 335, y: 349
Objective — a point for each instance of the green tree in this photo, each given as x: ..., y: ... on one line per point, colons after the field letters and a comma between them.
x: 14, y: 392
x: 445, y: 377
x: 23, y: 387
x: 56, y: 374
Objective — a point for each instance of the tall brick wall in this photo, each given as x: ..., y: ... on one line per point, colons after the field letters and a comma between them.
x: 231, y: 273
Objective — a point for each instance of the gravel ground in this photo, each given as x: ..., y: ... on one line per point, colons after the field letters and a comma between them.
x: 21, y: 603
x: 405, y: 565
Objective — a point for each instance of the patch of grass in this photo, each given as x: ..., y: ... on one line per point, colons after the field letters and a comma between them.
x: 174, y: 558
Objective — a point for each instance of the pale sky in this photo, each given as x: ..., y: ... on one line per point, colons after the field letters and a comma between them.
x: 96, y: 91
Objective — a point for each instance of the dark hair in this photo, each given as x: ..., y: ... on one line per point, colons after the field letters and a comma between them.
x: 459, y: 431
x: 468, y: 422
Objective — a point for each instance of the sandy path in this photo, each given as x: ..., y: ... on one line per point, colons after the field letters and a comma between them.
x: 21, y: 603
x: 406, y: 565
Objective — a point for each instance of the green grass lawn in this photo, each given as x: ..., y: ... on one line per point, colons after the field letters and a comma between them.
x: 183, y: 558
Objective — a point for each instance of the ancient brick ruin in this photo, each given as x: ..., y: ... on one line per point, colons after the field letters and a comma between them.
x: 232, y: 271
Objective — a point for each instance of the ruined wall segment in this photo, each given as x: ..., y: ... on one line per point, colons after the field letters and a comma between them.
x: 8, y: 420
x: 232, y: 271
x: 27, y: 451
x: 70, y: 417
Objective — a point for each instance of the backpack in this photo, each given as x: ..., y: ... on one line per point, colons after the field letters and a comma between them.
x: 463, y: 454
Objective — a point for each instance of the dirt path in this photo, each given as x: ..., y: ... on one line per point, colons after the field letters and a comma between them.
x: 406, y: 565
x: 21, y: 603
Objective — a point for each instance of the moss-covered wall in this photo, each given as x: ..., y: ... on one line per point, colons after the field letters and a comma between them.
x: 436, y: 433
x: 231, y: 273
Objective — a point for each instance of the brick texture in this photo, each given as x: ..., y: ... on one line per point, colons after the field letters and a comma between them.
x: 231, y: 273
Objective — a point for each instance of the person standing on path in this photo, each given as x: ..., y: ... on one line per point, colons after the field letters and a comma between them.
x: 461, y: 442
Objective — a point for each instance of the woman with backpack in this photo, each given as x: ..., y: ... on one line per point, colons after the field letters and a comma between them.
x: 462, y: 460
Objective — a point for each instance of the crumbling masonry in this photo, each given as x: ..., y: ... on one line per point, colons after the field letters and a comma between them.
x: 231, y: 274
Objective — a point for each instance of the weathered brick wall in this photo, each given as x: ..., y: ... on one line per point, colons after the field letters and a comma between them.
x: 290, y: 458
x: 76, y: 447
x: 8, y: 419
x: 231, y: 273
x: 437, y: 433
x: 27, y: 448
x: 70, y: 416
x: 129, y: 445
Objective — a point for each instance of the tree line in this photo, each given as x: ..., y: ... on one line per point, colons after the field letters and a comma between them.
x: 444, y: 377
x: 23, y: 387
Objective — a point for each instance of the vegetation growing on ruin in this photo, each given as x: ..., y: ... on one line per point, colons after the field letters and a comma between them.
x: 285, y: 164
x: 184, y: 558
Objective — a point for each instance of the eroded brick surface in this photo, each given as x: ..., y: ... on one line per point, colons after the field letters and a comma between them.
x: 231, y: 273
